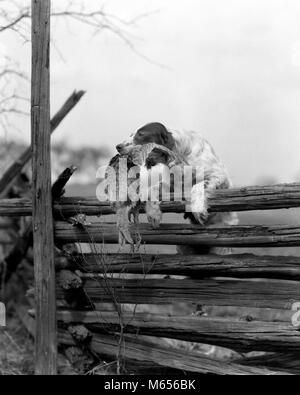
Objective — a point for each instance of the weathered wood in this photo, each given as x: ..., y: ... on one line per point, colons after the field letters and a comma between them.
x: 273, y: 294
x: 80, y: 333
x: 244, y: 199
x: 45, y: 339
x: 20, y: 207
x: 148, y: 352
x: 222, y: 200
x: 240, y: 266
x: 58, y: 187
x: 140, y: 350
x: 24, y: 241
x: 67, y: 107
x: 243, y: 336
x: 248, y: 314
x: 68, y: 280
x: 185, y: 234
x: 284, y: 362
x: 10, y: 175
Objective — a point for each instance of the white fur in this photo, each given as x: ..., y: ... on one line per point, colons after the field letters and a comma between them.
x: 198, y: 202
x: 197, y: 152
x: 159, y: 176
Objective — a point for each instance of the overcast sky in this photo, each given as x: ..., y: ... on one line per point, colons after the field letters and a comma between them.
x: 232, y: 72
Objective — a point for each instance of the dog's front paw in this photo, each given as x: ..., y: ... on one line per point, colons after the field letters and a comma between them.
x: 199, y: 203
x: 154, y: 214
x: 201, y: 218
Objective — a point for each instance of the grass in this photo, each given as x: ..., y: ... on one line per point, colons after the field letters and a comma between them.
x: 16, y: 349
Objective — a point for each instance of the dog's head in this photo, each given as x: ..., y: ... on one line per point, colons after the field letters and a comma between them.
x: 150, y: 133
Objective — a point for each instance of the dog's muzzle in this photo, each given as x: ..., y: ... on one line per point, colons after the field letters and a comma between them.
x: 124, y: 148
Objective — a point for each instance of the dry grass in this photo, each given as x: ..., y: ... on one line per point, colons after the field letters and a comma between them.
x: 16, y: 349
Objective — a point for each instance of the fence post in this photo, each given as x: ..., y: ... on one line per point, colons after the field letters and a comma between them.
x: 46, y: 337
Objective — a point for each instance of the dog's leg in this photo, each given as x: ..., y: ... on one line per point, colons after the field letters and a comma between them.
x: 201, y: 191
x: 159, y: 176
x: 199, y: 203
x: 123, y: 226
x: 153, y: 211
x: 154, y: 214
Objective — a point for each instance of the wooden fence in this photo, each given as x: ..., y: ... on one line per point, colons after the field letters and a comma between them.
x: 255, y: 287
x: 247, y: 299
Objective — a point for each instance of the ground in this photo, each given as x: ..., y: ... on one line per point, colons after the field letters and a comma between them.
x: 16, y: 349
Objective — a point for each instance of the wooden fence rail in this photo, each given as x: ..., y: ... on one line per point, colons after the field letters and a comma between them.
x: 85, y: 282
x: 242, y: 336
x: 145, y: 352
x: 184, y: 234
x: 199, y: 266
x: 271, y: 294
x: 242, y: 199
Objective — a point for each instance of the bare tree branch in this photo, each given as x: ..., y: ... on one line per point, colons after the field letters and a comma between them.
x: 15, y: 16
x: 12, y: 103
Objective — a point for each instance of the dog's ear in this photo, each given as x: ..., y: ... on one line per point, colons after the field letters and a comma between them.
x: 155, y: 132
x: 167, y: 138
x: 163, y: 135
x: 157, y: 156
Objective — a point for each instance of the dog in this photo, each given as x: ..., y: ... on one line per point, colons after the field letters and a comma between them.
x: 195, y: 151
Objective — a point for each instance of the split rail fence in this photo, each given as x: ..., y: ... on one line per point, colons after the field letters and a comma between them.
x: 98, y: 294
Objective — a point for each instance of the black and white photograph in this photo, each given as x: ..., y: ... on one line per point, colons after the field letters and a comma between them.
x: 150, y: 190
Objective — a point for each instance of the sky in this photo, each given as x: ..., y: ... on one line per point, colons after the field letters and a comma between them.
x: 229, y: 69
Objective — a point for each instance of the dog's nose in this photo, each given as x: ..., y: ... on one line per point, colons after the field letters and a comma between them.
x: 119, y: 147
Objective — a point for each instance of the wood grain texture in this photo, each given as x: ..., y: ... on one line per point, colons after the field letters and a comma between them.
x: 141, y: 350
x: 137, y: 349
x: 284, y: 362
x: 242, y: 336
x: 24, y: 241
x: 243, y: 199
x: 46, y: 337
x: 239, y: 266
x: 222, y: 200
x: 58, y: 187
x: 185, y: 234
x: 68, y: 280
x: 272, y: 294
x: 16, y: 207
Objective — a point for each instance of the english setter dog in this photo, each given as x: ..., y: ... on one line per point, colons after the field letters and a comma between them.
x: 196, y: 152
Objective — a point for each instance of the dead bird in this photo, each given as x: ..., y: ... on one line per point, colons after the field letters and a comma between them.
x: 145, y: 157
x: 127, y: 211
